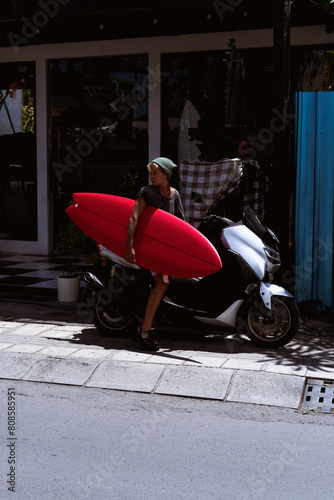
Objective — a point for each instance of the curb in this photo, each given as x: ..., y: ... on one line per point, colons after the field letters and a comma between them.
x: 226, y: 385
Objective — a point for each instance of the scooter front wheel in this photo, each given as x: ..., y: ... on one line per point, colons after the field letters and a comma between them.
x: 273, y: 331
x: 111, y: 318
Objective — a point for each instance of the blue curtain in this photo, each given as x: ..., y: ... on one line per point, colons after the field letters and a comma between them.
x: 314, y: 226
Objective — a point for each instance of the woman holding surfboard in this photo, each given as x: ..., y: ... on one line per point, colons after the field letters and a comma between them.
x: 158, y: 194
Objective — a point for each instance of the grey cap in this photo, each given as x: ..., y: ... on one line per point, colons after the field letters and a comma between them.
x: 166, y: 164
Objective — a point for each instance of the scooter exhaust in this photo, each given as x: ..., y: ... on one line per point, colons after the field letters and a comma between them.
x: 92, y: 282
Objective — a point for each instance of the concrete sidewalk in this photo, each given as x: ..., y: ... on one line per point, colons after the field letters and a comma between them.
x: 55, y: 344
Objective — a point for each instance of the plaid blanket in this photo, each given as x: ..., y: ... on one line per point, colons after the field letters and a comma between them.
x: 213, y: 181
x: 252, y: 192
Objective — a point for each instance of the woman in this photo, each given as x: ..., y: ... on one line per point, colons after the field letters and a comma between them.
x: 161, y: 195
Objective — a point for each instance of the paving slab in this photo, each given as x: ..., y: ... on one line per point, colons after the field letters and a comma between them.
x: 58, y: 351
x: 320, y: 373
x: 4, y: 345
x: 90, y: 353
x: 126, y: 376
x: 274, y: 389
x: 31, y: 329
x: 245, y: 363
x: 10, y: 325
x: 206, y: 360
x: 68, y: 371
x: 25, y: 348
x: 168, y: 357
x: 196, y: 382
x: 296, y: 369
x: 14, y: 366
x: 131, y: 356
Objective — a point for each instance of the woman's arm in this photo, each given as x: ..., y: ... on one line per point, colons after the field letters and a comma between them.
x: 130, y: 254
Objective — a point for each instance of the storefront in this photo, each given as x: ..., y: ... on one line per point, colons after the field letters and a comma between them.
x: 89, y: 115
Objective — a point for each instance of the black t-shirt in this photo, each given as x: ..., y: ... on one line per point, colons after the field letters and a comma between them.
x: 154, y: 198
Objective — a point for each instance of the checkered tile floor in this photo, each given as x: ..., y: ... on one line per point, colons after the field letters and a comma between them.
x: 29, y: 272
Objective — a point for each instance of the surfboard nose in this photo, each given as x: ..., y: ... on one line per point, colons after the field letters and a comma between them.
x: 216, y: 260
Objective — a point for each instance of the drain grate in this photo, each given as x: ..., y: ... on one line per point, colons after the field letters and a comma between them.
x: 319, y: 395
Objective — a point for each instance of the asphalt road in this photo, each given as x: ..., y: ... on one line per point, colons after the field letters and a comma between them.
x: 85, y: 443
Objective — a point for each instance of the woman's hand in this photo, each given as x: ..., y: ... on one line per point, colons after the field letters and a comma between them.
x: 130, y: 255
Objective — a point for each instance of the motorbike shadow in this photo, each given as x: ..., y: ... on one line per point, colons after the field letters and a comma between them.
x: 171, y: 340
x: 307, y: 351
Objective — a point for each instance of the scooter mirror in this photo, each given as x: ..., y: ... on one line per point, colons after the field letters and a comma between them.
x: 196, y: 197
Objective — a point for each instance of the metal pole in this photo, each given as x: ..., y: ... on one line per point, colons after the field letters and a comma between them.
x: 283, y: 166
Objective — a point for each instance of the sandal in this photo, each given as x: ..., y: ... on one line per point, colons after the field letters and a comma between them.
x: 146, y: 343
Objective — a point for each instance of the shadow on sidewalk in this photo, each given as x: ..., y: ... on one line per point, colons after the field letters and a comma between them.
x: 304, y: 351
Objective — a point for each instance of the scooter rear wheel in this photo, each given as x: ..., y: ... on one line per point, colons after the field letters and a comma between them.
x: 110, y: 318
x: 274, y: 331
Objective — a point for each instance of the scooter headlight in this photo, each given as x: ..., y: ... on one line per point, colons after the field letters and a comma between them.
x: 272, y: 234
x: 273, y: 256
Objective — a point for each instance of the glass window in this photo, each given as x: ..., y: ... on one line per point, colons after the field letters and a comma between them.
x: 213, y: 103
x: 98, y: 132
x: 215, y: 99
x: 18, y: 172
x: 313, y: 68
x: 192, y: 97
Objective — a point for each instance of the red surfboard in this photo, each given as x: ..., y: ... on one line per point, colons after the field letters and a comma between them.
x: 163, y: 243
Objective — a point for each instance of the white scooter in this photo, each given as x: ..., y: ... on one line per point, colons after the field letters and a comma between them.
x: 241, y: 296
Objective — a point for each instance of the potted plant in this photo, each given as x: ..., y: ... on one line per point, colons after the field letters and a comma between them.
x: 69, y: 246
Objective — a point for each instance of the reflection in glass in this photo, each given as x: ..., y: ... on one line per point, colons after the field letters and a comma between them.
x: 98, y: 129
x: 18, y: 170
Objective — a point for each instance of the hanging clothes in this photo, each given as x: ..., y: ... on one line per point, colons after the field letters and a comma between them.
x: 217, y: 180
